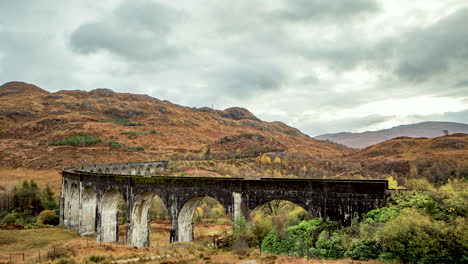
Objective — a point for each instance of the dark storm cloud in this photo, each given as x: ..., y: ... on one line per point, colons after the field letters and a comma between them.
x: 136, y: 30
x: 437, y: 49
x: 246, y: 79
x: 335, y: 11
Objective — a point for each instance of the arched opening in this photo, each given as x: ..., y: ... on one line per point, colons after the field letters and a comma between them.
x: 133, y: 171
x: 207, y: 213
x: 123, y: 170
x: 88, y: 211
x: 159, y: 167
x: 115, y: 170
x: 274, y: 214
x: 159, y: 222
x: 149, y: 171
x: 74, y: 207
x: 107, y: 171
x: 149, y: 222
x: 140, y: 171
x: 99, y: 171
x: 112, y: 212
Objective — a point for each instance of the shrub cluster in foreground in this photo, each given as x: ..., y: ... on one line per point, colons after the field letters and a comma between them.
x: 421, y: 226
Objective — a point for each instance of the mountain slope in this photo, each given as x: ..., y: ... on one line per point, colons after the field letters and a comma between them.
x: 365, y: 139
x: 31, y: 118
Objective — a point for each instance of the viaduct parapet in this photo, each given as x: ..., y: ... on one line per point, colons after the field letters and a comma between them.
x: 91, y: 194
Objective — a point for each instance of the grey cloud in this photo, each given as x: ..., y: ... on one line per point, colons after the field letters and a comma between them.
x: 136, y: 30
x: 318, y: 127
x: 246, y: 78
x: 460, y: 117
x: 298, y: 10
x: 463, y: 83
x: 433, y: 50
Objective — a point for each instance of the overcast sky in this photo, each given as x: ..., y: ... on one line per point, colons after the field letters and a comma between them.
x: 319, y: 65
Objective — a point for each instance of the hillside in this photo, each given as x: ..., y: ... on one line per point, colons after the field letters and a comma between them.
x: 42, y: 132
x: 365, y: 139
x: 436, y: 159
x: 139, y: 127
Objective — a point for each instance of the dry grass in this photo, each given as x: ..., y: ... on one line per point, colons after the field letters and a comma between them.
x: 53, y: 178
x: 81, y: 249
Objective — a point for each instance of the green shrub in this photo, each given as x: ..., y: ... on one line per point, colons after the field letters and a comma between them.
x: 123, y: 122
x: 48, y: 217
x: 65, y: 260
x: 137, y: 148
x: 131, y: 133
x: 97, y: 259
x: 329, y: 245
x: 82, y: 139
x: 364, y: 250
x: 115, y: 144
x: 276, y: 244
x: 9, y: 219
x: 42, y: 143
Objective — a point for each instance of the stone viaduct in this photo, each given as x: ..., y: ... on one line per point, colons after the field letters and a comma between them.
x: 91, y: 194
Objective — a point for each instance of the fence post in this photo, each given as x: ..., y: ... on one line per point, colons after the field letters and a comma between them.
x: 23, y: 256
x: 39, y: 255
x: 10, y: 256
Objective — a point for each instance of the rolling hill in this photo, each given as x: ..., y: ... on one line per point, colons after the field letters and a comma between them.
x: 42, y: 132
x: 424, y: 129
x: 32, y: 120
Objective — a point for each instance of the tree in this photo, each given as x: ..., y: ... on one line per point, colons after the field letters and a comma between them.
x: 208, y: 152
x: 48, y: 199
x: 445, y: 131
x: 26, y: 198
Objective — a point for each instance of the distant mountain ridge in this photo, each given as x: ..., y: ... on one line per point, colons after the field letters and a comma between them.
x: 428, y: 129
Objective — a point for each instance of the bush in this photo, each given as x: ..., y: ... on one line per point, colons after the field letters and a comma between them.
x: 137, y: 148
x: 276, y: 244
x: 364, y: 250
x: 130, y: 133
x: 329, y: 246
x: 66, y: 261
x: 48, y: 217
x: 82, y: 139
x: 124, y: 122
x: 115, y: 144
x: 9, y: 219
x: 96, y: 259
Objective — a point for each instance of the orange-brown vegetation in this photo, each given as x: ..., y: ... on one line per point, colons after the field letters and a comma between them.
x: 134, y: 127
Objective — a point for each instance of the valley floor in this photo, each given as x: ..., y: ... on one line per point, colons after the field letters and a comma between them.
x: 39, y: 245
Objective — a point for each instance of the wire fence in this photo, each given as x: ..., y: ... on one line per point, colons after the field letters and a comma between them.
x: 36, y: 256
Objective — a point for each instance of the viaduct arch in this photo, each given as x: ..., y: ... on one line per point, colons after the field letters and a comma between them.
x: 91, y: 194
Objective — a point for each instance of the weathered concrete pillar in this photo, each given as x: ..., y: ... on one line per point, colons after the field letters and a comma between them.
x: 88, y: 211
x: 185, y: 220
x: 240, y: 209
x: 74, y: 207
x: 173, y: 212
x: 108, y: 225
x: 139, y: 228
x: 63, y: 215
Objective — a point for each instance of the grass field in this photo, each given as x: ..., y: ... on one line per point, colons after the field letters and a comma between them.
x: 35, y: 243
